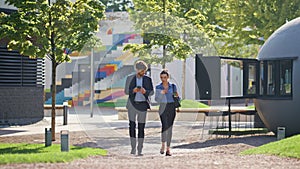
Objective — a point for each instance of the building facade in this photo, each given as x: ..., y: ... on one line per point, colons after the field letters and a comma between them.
x: 21, y: 85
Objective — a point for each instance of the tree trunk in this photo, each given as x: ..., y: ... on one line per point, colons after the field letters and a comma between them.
x: 164, y: 46
x: 183, y: 79
x: 53, y: 90
x: 164, y: 57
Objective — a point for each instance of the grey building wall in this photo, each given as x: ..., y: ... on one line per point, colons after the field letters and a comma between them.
x: 21, y: 84
x: 6, y: 6
x: 21, y: 105
x: 283, y: 111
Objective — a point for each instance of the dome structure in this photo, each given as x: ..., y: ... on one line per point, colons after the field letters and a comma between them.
x: 280, y: 74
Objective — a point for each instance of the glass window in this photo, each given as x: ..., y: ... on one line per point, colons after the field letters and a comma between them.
x: 251, y: 78
x: 285, y: 77
x: 271, y: 78
x: 276, y: 78
x: 261, y: 82
x: 231, y: 77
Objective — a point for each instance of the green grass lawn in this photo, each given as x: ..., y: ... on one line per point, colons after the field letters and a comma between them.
x: 38, y: 153
x: 289, y: 147
x: 192, y: 104
x: 251, y: 107
x: 189, y: 104
x: 184, y: 104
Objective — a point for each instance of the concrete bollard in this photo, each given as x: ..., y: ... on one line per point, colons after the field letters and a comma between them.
x: 64, y: 140
x: 48, y: 137
x: 65, y: 113
x: 280, y: 133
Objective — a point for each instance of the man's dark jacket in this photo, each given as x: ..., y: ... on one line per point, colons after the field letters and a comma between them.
x: 130, y: 85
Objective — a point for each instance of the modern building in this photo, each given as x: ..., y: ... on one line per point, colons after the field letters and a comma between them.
x: 21, y: 85
x: 271, y: 79
x: 279, y: 79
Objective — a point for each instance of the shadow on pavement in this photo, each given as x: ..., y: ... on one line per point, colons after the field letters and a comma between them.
x: 88, y: 144
x: 250, y: 140
x: 6, y: 132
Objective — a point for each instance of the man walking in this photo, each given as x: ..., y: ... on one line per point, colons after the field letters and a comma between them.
x: 139, y: 87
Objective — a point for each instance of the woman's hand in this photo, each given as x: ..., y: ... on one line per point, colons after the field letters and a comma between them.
x: 164, y: 91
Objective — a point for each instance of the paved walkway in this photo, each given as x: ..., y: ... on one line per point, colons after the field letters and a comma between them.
x: 189, y: 150
x: 106, y: 130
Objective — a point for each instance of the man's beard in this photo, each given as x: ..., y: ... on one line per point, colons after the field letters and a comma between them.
x: 141, y: 74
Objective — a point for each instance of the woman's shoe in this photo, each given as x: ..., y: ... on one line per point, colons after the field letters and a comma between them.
x: 168, y: 153
x: 161, y: 151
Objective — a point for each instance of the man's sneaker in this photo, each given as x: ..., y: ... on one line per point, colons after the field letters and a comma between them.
x: 133, y: 151
x: 140, y: 153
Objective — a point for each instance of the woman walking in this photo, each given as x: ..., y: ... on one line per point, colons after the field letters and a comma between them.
x: 164, y: 96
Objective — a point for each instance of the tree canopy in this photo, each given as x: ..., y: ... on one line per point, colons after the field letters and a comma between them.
x: 117, y: 5
x: 252, y: 22
x: 241, y: 27
x: 39, y: 29
x: 166, y: 35
x: 236, y: 28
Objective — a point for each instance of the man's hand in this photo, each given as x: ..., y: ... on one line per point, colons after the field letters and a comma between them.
x: 142, y: 90
x: 135, y: 90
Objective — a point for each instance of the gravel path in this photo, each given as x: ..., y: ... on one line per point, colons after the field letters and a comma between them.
x: 213, y: 153
x: 190, y: 149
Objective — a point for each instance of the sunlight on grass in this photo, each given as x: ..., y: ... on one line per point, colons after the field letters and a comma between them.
x: 251, y: 107
x: 192, y: 104
x: 184, y: 104
x: 289, y: 147
x: 38, y: 153
x: 189, y: 104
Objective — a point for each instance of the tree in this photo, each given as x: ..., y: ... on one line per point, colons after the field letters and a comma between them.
x: 117, y: 5
x: 236, y: 28
x: 256, y: 20
x: 43, y: 29
x: 241, y: 27
x: 210, y: 16
x: 162, y: 29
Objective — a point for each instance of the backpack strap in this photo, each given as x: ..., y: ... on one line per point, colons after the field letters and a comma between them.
x: 173, y: 86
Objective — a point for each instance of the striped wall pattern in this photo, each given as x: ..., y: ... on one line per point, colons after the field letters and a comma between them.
x: 18, y: 70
